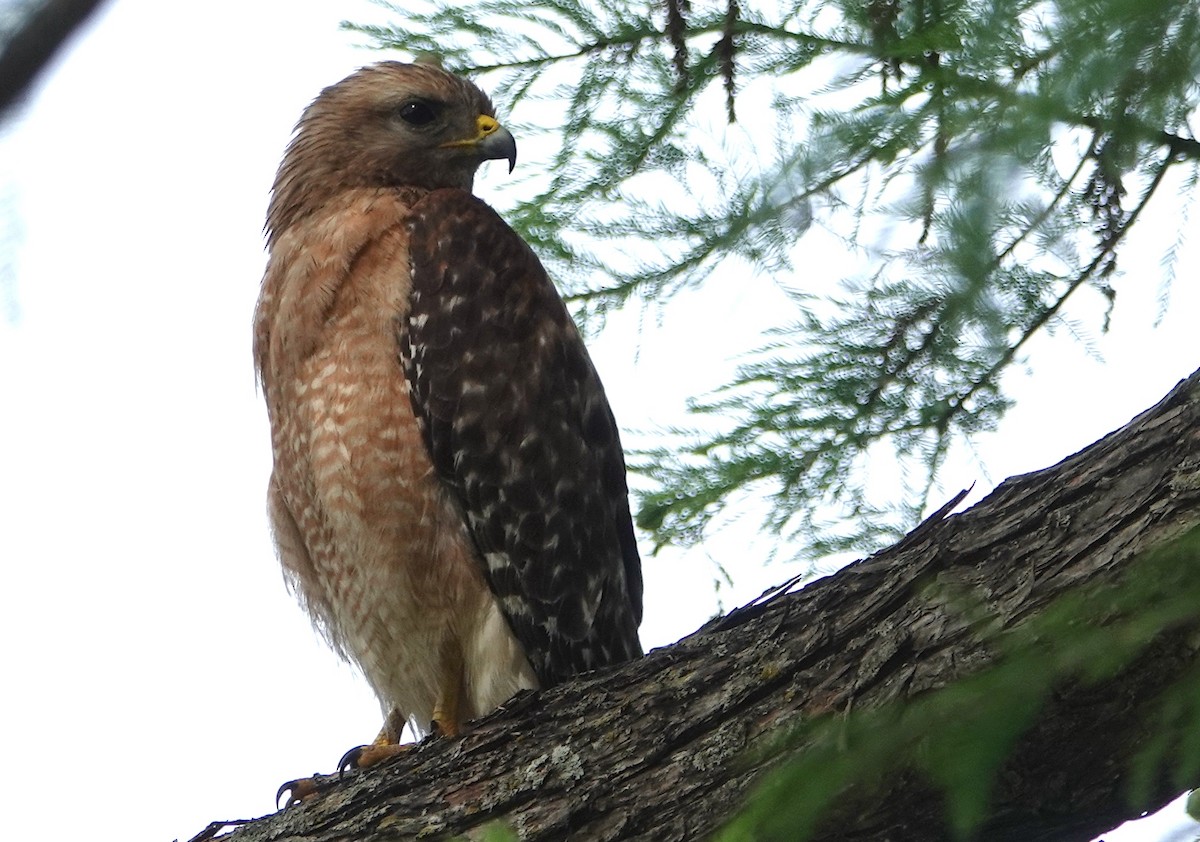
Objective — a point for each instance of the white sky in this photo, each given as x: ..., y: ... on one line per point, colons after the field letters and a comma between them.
x: 157, y: 675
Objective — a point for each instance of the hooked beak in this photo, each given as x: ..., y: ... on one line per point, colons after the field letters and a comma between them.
x: 491, y: 140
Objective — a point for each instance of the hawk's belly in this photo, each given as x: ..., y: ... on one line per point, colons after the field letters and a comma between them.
x: 391, y: 571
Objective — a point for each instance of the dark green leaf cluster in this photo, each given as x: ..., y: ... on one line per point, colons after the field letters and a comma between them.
x: 981, y: 161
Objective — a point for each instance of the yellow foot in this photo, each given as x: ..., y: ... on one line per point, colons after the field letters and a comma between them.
x: 299, y: 791
x: 364, y: 756
x: 447, y: 722
x: 384, y: 746
x: 445, y: 726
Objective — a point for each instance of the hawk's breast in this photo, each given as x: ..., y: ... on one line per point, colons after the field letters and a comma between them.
x: 385, y: 562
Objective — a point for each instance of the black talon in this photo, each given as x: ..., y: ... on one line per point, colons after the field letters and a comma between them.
x: 299, y: 789
x: 287, y: 786
x: 349, y: 760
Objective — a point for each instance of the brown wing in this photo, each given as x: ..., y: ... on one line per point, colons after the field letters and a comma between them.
x: 519, y: 427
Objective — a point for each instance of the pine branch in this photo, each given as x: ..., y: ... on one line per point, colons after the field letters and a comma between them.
x: 1047, y: 315
x: 947, y: 115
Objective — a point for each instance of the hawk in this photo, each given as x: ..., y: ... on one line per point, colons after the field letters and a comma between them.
x: 448, y: 496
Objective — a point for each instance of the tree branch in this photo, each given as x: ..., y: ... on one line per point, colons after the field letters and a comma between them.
x: 36, y: 40
x: 658, y: 748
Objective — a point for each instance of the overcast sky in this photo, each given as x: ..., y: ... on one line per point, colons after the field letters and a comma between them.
x: 157, y: 675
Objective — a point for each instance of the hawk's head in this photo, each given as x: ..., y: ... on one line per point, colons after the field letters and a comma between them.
x: 387, y: 125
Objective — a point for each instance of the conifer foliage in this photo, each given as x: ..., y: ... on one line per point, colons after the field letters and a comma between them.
x: 1006, y: 147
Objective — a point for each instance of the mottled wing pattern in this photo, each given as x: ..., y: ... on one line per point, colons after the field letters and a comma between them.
x: 518, y: 425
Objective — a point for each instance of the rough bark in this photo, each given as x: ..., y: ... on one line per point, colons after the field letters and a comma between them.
x: 656, y: 749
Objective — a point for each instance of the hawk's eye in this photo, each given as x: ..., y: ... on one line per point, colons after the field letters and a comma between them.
x: 417, y: 113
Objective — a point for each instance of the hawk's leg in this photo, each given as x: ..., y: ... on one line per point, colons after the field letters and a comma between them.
x: 447, y: 710
x: 385, y: 745
x: 447, y: 722
x: 303, y: 789
x: 447, y: 714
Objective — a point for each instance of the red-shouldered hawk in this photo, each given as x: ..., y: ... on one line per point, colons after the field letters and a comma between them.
x: 448, y: 495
